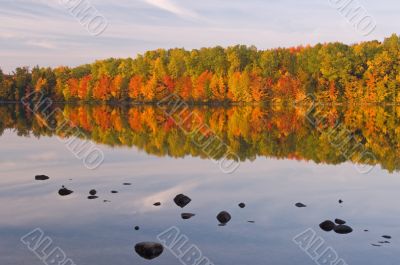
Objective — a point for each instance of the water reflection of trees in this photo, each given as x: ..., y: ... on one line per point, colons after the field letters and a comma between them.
x: 248, y: 131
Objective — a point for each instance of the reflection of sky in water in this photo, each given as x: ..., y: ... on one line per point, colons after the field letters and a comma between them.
x: 93, y: 232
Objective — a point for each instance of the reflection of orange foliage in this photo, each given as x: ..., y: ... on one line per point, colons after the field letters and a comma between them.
x: 135, y: 120
x: 252, y: 130
x: 83, y: 119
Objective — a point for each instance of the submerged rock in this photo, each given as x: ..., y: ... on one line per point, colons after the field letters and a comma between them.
x: 182, y: 200
x: 242, y: 205
x: 300, y: 205
x: 92, y: 197
x: 127, y: 184
x: 149, y: 250
x: 114, y: 191
x: 93, y: 192
x: 375, y: 245
x: 64, y: 191
x: 157, y: 204
x: 224, y: 217
x: 343, y: 229
x: 340, y: 221
x: 252, y: 222
x: 186, y: 216
x: 41, y: 177
x: 327, y: 225
x: 387, y: 237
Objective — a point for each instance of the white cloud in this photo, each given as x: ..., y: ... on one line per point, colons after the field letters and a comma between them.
x: 173, y: 8
x: 41, y: 44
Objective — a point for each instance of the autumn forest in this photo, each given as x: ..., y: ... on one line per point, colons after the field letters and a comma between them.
x: 367, y: 72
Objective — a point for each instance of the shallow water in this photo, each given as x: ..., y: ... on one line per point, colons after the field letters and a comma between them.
x: 98, y: 232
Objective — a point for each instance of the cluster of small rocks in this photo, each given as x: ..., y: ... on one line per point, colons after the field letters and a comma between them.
x: 339, y: 226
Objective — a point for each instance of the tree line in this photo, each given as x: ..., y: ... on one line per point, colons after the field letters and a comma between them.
x: 367, y: 72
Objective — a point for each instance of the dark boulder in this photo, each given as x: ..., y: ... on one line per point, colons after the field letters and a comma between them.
x: 327, y: 225
x: 300, y: 205
x: 41, y: 177
x: 186, y: 216
x: 149, y: 250
x: 157, y: 204
x: 343, y: 229
x: 242, y: 205
x: 223, y: 217
x: 64, y: 191
x: 93, y: 192
x: 387, y: 237
x: 340, y: 221
x: 182, y: 200
x: 92, y: 197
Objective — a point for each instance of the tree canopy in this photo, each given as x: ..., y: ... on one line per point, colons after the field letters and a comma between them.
x: 367, y: 72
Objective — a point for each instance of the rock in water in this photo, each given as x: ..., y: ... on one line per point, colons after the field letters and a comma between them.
x: 340, y: 201
x: 93, y: 192
x: 327, y: 225
x: 242, y: 205
x: 223, y: 217
x: 157, y: 204
x: 387, y: 237
x: 340, y: 221
x: 127, y: 184
x: 343, y: 229
x: 137, y: 228
x: 92, y: 197
x: 41, y: 177
x: 182, y: 200
x: 64, y: 191
x: 114, y: 191
x: 300, y: 205
x: 149, y: 250
x: 186, y: 216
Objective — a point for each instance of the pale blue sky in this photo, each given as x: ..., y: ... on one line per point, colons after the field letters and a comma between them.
x: 43, y: 32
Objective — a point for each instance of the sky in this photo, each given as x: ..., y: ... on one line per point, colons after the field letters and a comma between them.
x: 48, y: 33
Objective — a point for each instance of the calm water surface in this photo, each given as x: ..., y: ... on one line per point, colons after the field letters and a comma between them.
x: 98, y: 232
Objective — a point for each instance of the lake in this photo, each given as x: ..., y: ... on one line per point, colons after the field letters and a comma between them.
x: 339, y: 161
